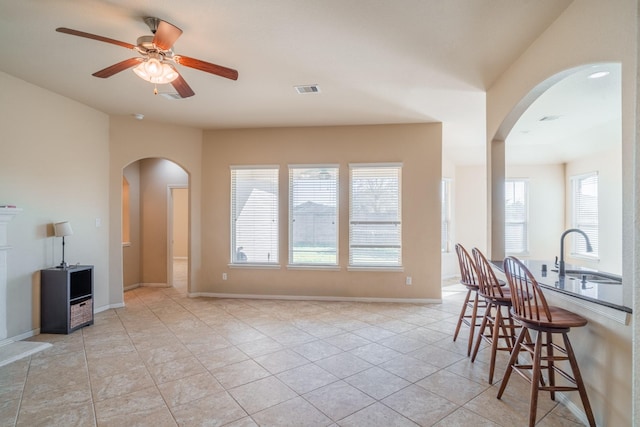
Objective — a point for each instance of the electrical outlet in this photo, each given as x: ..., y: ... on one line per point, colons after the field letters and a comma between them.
x: 224, y: 276
x: 408, y: 281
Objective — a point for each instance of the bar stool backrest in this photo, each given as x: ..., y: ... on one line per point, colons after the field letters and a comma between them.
x: 468, y: 273
x: 527, y: 300
x: 488, y: 283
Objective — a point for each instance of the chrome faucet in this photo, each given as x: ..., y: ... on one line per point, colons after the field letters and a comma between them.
x: 561, y: 270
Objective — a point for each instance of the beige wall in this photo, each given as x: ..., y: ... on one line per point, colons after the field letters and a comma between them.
x: 470, y: 206
x: 180, y: 223
x: 54, y: 164
x: 132, y: 140
x: 589, y: 31
x: 418, y: 147
x: 131, y: 264
x: 156, y: 176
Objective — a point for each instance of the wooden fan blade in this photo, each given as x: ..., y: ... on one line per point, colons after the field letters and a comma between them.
x: 181, y: 86
x: 94, y: 37
x: 207, y: 67
x: 166, y: 35
x: 116, y: 68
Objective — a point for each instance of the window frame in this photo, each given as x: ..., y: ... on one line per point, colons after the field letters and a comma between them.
x: 276, y: 215
x: 364, y: 266
x: 593, y: 232
x: 524, y: 222
x: 445, y: 215
x: 336, y: 197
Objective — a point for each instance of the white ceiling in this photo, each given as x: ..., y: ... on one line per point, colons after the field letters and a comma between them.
x: 376, y: 61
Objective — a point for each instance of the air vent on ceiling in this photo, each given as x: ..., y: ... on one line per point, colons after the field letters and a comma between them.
x: 303, y: 89
x: 170, y: 95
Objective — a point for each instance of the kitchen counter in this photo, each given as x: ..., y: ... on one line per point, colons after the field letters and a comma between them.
x: 606, y: 294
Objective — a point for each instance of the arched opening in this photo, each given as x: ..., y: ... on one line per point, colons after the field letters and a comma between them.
x: 567, y: 127
x: 157, y: 250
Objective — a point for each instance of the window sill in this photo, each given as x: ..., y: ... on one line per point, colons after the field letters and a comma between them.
x: 249, y: 265
x: 389, y: 269
x: 313, y: 267
x: 126, y: 244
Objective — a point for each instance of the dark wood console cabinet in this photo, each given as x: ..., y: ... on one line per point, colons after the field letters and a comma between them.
x: 66, y: 299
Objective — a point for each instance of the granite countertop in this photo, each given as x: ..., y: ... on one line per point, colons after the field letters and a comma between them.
x: 607, y: 294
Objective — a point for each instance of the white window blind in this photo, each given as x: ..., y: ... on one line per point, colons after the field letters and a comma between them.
x: 516, y: 210
x: 254, y: 215
x: 313, y: 215
x: 585, y: 212
x: 445, y: 203
x: 375, y: 218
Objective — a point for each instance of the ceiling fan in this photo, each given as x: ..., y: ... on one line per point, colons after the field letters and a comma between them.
x: 156, y: 63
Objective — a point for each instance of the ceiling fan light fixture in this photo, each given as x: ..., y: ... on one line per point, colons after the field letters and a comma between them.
x: 156, y: 72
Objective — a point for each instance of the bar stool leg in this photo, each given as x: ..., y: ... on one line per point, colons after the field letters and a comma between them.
x: 462, y: 314
x: 579, y: 383
x: 472, y: 324
x: 512, y: 359
x: 535, y: 379
x: 550, y: 363
x: 497, y: 322
x: 483, y: 326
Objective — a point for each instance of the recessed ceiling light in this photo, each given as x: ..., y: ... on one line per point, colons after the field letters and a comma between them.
x: 598, y: 74
x: 138, y: 116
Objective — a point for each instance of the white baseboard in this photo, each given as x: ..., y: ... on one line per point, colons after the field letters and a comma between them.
x: 572, y: 407
x: 20, y: 337
x: 315, y: 298
x: 154, y: 285
x: 131, y: 287
x: 107, y: 307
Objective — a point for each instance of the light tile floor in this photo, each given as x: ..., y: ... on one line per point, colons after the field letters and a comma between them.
x: 166, y: 359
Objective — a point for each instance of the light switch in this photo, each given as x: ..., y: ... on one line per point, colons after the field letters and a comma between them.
x: 98, y: 222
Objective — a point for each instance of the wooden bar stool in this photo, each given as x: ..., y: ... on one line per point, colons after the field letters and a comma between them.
x: 496, y: 325
x: 531, y: 310
x: 469, y: 278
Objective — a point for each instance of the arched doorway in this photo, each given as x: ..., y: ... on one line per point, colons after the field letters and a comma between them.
x: 155, y: 219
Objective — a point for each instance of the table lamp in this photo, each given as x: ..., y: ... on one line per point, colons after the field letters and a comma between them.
x: 62, y: 229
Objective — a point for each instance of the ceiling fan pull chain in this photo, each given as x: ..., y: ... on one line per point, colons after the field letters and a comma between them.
x: 155, y: 89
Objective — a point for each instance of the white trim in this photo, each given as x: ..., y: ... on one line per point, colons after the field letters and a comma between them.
x: 155, y: 285
x: 575, y: 410
x: 23, y: 336
x: 254, y: 266
x: 325, y: 267
x: 107, y: 307
x: 239, y: 167
x: 313, y: 165
x: 131, y: 287
x: 180, y: 257
x: 376, y: 165
x: 315, y: 298
x: 381, y: 269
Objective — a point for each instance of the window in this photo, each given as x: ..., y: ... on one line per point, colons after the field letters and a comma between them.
x: 585, y: 212
x: 254, y: 215
x: 313, y: 215
x: 445, y: 224
x: 516, y: 214
x: 375, y: 219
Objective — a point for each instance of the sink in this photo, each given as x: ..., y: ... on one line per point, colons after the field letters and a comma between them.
x: 595, y: 277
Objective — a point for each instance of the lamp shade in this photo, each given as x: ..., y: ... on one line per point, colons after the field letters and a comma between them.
x: 62, y: 229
